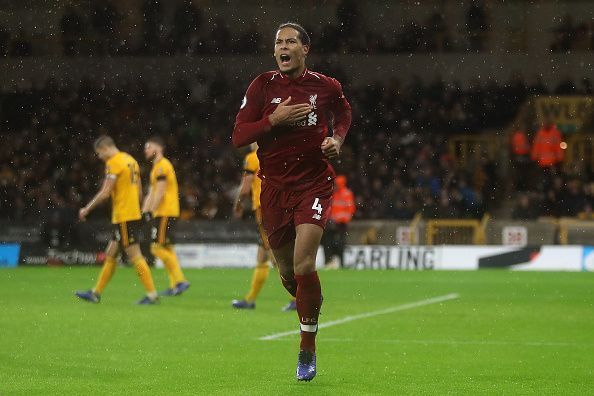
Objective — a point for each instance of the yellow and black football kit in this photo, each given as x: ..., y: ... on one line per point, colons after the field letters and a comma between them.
x: 168, y: 210
x: 125, y: 198
x: 125, y: 217
x: 251, y: 165
x: 163, y: 223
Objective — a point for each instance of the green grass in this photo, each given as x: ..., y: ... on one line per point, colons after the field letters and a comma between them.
x: 507, y: 333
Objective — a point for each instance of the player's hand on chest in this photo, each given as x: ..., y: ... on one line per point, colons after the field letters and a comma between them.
x: 295, y: 107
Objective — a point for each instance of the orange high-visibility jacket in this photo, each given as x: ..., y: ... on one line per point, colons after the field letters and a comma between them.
x: 343, y: 202
x: 546, y: 148
x: 519, y: 143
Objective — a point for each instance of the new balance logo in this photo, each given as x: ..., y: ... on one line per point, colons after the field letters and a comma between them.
x: 316, y: 217
x: 276, y: 100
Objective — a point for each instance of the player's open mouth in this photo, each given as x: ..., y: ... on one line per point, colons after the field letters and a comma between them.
x: 285, y: 59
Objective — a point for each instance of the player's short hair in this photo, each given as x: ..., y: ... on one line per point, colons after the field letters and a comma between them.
x: 157, y: 140
x: 103, y: 140
x: 303, y: 36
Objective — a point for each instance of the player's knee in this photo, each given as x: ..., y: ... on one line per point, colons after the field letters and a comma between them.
x: 133, y: 252
x: 156, y: 249
x: 305, y: 264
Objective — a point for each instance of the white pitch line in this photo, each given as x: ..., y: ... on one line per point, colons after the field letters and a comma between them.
x: 346, y: 319
x: 458, y: 342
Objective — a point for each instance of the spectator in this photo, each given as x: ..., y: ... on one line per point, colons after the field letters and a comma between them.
x: 476, y: 25
x: 220, y: 36
x: 4, y: 40
x: 572, y: 201
x: 250, y: 40
x: 547, y: 151
x: 520, y: 160
x: 72, y: 29
x: 103, y: 20
x: 525, y: 209
x: 348, y: 15
x: 186, y: 25
x: 341, y: 214
x: 564, y: 35
x: 21, y: 45
x: 152, y: 12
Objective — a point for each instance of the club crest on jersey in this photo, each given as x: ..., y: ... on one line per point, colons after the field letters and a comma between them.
x: 312, y: 118
x: 312, y: 101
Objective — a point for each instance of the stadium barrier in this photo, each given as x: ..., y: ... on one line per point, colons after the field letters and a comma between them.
x: 457, y: 232
x: 215, y: 255
x: 575, y: 231
x: 394, y: 257
x: 470, y: 257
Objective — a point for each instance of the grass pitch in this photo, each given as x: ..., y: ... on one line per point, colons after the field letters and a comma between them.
x: 506, y: 333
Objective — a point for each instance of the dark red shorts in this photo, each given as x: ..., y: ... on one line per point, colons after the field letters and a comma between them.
x: 284, y: 210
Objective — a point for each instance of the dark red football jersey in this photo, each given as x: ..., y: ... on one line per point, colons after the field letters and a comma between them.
x: 290, y: 156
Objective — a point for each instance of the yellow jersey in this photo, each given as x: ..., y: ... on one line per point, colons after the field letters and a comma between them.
x: 252, y: 165
x: 125, y: 197
x: 169, y: 206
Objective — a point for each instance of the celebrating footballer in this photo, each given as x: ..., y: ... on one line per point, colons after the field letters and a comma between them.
x: 288, y: 112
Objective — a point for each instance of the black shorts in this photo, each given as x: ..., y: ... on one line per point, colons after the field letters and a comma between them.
x: 162, y: 229
x: 127, y: 233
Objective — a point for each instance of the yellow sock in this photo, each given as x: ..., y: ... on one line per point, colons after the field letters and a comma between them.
x: 169, y: 258
x: 176, y: 268
x: 144, y: 273
x: 258, y: 279
x: 109, y: 266
x: 162, y: 253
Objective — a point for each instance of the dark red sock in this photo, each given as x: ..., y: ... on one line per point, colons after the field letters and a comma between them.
x: 290, y: 284
x: 309, y: 300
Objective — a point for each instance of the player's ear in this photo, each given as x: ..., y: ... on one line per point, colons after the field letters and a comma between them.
x: 306, y: 49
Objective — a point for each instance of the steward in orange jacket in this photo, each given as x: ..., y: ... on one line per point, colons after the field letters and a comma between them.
x: 546, y: 148
x: 519, y: 143
x: 343, y: 208
x: 343, y: 202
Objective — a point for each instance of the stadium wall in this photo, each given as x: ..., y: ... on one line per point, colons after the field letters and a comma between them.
x: 94, y: 234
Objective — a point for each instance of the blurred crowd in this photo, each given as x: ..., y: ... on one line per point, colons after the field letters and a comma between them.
x: 99, y: 28
x: 395, y: 158
x: 95, y: 28
x: 546, y: 186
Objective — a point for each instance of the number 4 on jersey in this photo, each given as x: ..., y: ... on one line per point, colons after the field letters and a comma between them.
x: 316, y: 206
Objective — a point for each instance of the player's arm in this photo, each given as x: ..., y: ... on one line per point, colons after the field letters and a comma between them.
x: 140, y: 192
x: 342, y: 118
x: 244, y: 190
x: 251, y: 125
x: 103, y: 194
x: 156, y: 196
x: 147, y: 201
